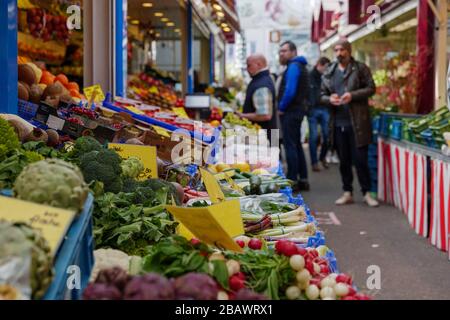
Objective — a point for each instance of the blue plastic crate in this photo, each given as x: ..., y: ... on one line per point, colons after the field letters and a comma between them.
x: 76, y: 250
x: 428, y: 137
x: 396, y: 130
x: 27, y: 110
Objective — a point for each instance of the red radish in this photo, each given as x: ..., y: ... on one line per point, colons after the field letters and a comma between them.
x: 324, y: 269
x: 286, y: 248
x: 195, y: 241
x: 240, y: 243
x: 321, y: 262
x: 240, y: 275
x: 361, y: 296
x: 255, y: 244
x: 313, y: 253
x: 309, y: 265
x: 349, y: 298
x: 236, y: 283
x: 351, y: 291
x: 316, y: 282
x: 343, y: 278
x: 302, y: 251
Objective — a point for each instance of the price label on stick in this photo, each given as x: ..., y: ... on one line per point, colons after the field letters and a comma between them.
x: 52, y: 222
x: 212, y: 186
x: 214, y: 225
x: 94, y: 93
x: 147, y: 154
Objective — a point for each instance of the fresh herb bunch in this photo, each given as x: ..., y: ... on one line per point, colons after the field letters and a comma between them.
x: 266, y: 272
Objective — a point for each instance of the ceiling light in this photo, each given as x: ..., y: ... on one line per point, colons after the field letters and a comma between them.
x: 220, y: 14
x: 177, y: 30
x: 159, y: 14
x: 224, y: 25
x: 217, y: 7
x: 170, y: 24
x: 152, y: 31
x: 405, y: 25
x: 165, y: 19
x: 158, y: 35
x: 147, y: 4
x: 226, y: 29
x: 134, y: 21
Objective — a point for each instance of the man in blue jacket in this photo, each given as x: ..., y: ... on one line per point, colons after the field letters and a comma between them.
x: 293, y: 107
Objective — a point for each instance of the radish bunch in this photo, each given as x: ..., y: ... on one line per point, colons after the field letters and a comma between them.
x: 313, y: 276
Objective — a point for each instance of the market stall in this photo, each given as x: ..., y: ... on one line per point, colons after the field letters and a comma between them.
x: 413, y: 162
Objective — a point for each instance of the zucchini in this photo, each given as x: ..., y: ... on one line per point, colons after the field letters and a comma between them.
x: 239, y: 176
x: 247, y: 175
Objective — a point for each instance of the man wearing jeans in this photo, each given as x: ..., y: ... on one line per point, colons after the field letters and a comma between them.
x: 293, y: 106
x: 318, y: 115
x: 346, y: 88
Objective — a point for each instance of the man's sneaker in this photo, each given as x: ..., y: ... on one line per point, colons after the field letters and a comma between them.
x: 316, y: 167
x: 371, y: 202
x: 347, y: 198
x: 334, y: 159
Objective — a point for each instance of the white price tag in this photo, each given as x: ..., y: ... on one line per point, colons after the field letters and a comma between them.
x: 55, y: 123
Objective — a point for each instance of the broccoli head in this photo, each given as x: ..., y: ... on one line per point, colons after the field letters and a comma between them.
x: 103, y: 166
x: 84, y: 145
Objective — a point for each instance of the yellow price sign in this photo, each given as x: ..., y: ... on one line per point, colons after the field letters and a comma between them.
x: 94, y: 93
x: 214, y: 225
x: 161, y: 131
x: 53, y: 223
x: 212, y: 186
x: 180, y: 112
x: 147, y: 154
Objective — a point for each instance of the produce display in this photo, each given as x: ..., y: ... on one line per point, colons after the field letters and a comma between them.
x: 139, y: 253
x: 153, y: 92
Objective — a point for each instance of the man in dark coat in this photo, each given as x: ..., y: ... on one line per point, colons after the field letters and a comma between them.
x: 346, y: 88
x: 318, y: 116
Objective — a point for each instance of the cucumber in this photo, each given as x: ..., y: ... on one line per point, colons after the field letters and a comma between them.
x: 247, y: 175
x: 239, y: 176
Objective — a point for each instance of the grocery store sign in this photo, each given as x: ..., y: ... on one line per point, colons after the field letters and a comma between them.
x: 212, y: 187
x: 52, y: 222
x: 146, y: 154
x: 214, y: 225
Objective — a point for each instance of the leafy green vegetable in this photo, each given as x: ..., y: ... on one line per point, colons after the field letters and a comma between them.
x: 11, y: 167
x: 121, y: 222
x: 176, y: 256
x: 267, y: 272
x: 42, y: 149
x: 8, y: 136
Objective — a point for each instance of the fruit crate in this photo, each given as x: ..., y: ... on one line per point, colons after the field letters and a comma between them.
x: 76, y: 253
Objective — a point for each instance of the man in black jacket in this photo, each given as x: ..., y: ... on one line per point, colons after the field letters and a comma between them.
x: 293, y: 103
x: 318, y: 115
x: 346, y: 88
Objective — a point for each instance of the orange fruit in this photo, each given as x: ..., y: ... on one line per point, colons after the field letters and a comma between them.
x: 73, y: 86
x: 74, y: 93
x: 63, y: 79
x: 47, y: 78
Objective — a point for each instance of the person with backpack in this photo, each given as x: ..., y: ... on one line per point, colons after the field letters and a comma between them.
x: 293, y: 101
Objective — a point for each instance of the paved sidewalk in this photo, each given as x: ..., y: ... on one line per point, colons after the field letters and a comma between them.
x: 361, y: 237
